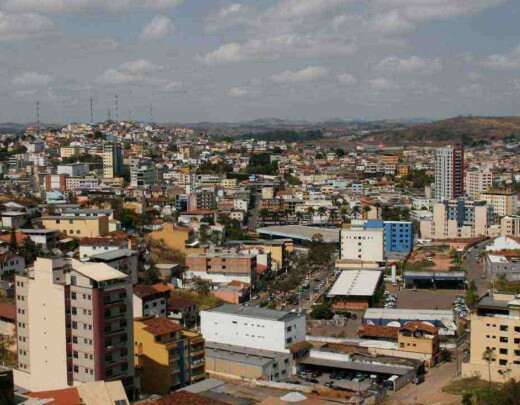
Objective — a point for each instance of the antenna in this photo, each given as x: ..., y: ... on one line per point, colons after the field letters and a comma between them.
x: 109, y: 115
x: 38, y: 117
x: 116, y: 107
x: 91, y: 110
x: 151, y: 113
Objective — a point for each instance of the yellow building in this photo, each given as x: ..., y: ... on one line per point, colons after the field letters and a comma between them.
x: 173, y: 236
x: 69, y: 151
x: 78, y: 227
x: 421, y: 338
x: 166, y: 356
x: 503, y: 202
x: 495, y: 339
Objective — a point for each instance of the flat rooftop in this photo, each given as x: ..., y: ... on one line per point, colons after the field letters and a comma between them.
x: 301, y: 232
x: 409, y: 314
x: 361, y: 283
x: 255, y: 312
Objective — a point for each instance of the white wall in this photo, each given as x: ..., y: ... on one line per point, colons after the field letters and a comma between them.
x: 249, y: 332
x: 362, y: 244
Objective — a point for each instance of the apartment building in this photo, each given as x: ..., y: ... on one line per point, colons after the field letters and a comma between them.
x: 74, y: 325
x: 510, y: 226
x: 55, y: 182
x: 362, y: 244
x: 73, y: 169
x: 168, y: 357
x: 112, y: 160
x: 477, y: 182
x: 70, y: 151
x: 149, y: 300
x: 81, y: 183
x: 449, y: 173
x: 222, y: 267
x: 142, y: 175
x: 78, y: 226
x: 457, y: 219
x: 503, y: 202
x: 201, y: 200
x: 495, y: 339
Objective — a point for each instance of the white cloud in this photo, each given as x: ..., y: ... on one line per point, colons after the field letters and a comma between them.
x: 88, y: 6
x: 307, y: 74
x: 22, y: 26
x: 382, y: 84
x: 271, y: 48
x: 506, y: 61
x: 137, y: 71
x: 346, y: 78
x: 237, y: 92
x: 32, y: 79
x: 158, y: 28
x: 413, y: 64
x: 397, y: 16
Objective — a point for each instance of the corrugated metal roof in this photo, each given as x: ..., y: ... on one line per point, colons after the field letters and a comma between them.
x: 356, y: 283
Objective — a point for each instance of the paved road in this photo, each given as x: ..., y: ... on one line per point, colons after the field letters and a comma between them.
x: 475, y: 267
x: 429, y: 392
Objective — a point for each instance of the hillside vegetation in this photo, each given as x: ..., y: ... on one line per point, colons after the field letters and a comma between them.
x: 469, y: 130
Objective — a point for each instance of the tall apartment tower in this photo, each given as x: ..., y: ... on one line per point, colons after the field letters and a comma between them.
x: 449, y: 173
x: 74, y: 325
x: 112, y: 160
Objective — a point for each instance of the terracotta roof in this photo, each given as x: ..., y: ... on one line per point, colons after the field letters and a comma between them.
x: 377, y: 331
x: 8, y: 311
x: 160, y: 326
x: 163, y: 287
x: 100, y: 241
x: 418, y: 325
x: 143, y: 291
x: 20, y: 237
x: 67, y: 396
x: 177, y: 302
x: 186, y: 398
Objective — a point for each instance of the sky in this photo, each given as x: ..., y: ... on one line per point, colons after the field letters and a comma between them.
x: 219, y: 60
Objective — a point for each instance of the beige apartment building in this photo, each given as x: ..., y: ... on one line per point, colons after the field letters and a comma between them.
x: 503, y: 202
x: 457, y: 219
x: 222, y: 267
x: 74, y: 325
x: 477, y: 182
x: 510, y: 226
x: 495, y: 339
x: 78, y: 227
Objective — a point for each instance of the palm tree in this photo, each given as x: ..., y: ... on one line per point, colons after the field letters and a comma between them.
x: 489, y: 356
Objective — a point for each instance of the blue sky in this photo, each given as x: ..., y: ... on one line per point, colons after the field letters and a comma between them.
x: 218, y: 60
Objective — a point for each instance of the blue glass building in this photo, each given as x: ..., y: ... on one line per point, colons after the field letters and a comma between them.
x: 398, y: 235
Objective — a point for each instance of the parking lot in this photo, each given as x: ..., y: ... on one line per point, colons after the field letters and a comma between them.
x: 424, y: 298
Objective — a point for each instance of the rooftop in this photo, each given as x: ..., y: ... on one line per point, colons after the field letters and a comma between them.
x: 159, y: 326
x: 97, y: 271
x: 255, y: 312
x: 301, y: 232
x: 356, y: 283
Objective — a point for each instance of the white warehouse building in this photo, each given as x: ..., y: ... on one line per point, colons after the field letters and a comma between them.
x: 253, y: 327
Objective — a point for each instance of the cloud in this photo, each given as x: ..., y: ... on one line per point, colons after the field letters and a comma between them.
x: 137, y: 71
x: 32, y: 79
x: 346, y: 78
x: 238, y: 92
x: 505, y: 61
x: 382, y: 84
x: 22, y: 26
x: 412, y: 64
x: 308, y: 74
x: 230, y: 15
x: 398, y: 16
x: 158, y: 28
x: 272, y: 48
x: 88, y: 6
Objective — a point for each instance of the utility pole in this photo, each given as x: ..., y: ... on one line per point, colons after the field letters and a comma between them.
x: 116, y: 107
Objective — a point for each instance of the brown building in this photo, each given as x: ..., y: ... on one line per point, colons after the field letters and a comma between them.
x: 222, y: 267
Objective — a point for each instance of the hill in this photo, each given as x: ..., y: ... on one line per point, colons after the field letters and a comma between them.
x: 469, y: 130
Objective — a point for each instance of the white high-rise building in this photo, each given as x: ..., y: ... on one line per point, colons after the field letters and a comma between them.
x: 449, y: 173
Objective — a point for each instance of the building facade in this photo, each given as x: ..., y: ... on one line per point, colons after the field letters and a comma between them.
x: 449, y: 173
x: 74, y: 325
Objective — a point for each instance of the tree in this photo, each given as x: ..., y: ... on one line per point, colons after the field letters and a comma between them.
x: 471, y: 294
x: 322, y: 311
x: 29, y: 251
x: 201, y: 286
x: 489, y: 356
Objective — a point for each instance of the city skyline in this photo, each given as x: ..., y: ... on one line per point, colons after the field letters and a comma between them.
x: 233, y: 61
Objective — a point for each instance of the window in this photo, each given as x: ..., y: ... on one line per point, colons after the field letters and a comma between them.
x: 503, y: 351
x: 504, y: 339
x: 504, y: 328
x: 502, y: 362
